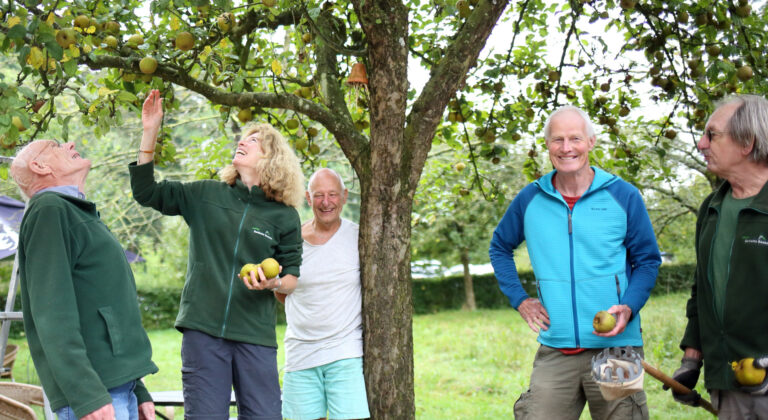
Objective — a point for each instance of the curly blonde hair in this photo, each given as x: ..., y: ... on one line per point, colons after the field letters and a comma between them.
x: 281, y: 177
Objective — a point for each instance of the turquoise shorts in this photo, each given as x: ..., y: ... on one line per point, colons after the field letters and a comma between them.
x: 335, y: 391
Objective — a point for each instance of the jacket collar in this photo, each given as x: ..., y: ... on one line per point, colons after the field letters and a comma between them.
x: 759, y: 202
x: 601, y: 180
x: 255, y: 194
x: 82, y: 203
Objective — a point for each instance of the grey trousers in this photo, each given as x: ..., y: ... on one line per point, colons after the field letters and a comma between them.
x: 735, y: 405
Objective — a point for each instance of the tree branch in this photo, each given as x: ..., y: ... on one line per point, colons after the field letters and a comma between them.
x: 445, y: 78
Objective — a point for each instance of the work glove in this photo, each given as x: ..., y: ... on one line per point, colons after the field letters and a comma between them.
x: 760, y: 389
x: 687, y: 374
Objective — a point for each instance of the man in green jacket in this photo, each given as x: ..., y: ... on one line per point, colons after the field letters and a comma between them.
x: 728, y: 312
x: 81, y: 315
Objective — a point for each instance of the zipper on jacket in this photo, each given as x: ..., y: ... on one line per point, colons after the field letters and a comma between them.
x: 232, y: 274
x: 573, y: 277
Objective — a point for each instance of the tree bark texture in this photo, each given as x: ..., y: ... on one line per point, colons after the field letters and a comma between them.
x: 469, y: 288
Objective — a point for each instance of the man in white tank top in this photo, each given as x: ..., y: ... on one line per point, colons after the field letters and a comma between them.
x: 324, y: 338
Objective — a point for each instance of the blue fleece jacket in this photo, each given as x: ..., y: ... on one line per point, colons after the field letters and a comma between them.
x: 601, y: 253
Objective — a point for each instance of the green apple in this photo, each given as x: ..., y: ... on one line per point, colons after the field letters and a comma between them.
x: 112, y: 26
x: 603, y: 322
x: 66, y: 37
x: 148, y: 65
x: 245, y: 115
x: 745, y: 73
x: 135, y: 40
x: 82, y: 21
x: 111, y: 41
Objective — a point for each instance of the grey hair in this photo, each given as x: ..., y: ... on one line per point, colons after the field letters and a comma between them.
x: 749, y: 124
x: 336, y: 174
x: 569, y: 108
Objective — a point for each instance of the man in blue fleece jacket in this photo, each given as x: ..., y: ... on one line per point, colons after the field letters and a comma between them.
x: 592, y: 248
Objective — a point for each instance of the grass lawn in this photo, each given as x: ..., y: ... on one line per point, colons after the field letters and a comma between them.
x: 470, y: 365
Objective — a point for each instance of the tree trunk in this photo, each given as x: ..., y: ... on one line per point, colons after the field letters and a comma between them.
x: 469, y: 289
x: 387, y: 305
x: 385, y: 217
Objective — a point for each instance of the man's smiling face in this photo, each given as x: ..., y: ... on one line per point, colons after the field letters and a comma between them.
x: 326, y: 197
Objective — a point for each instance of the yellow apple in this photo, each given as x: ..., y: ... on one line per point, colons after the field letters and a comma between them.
x: 185, y: 41
x: 270, y: 267
x: 746, y: 373
x: 16, y: 121
x: 246, y: 270
x: 225, y: 21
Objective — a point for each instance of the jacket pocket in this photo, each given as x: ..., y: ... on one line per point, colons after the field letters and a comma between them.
x: 115, y: 337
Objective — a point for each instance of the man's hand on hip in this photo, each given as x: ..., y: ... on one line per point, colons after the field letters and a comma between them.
x: 534, y: 314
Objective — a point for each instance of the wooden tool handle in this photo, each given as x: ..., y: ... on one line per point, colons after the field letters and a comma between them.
x: 676, y: 386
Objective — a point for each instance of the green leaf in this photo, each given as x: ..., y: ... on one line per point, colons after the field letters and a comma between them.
x: 70, y: 67
x: 27, y: 92
x: 126, y: 96
x: 54, y: 50
x: 17, y: 32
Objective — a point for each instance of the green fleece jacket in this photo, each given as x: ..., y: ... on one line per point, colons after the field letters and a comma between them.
x: 78, y: 295
x: 741, y: 331
x: 229, y: 227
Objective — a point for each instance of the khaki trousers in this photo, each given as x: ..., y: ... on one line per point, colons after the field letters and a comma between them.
x: 561, y: 385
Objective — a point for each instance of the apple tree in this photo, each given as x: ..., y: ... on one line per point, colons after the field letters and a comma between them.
x: 230, y: 54
x: 646, y: 71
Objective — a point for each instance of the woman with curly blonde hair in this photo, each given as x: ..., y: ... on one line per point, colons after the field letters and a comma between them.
x: 228, y: 330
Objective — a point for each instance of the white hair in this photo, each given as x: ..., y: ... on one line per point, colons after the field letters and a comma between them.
x: 569, y: 108
x: 312, y: 178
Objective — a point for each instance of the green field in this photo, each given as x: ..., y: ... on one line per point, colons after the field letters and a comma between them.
x: 470, y: 365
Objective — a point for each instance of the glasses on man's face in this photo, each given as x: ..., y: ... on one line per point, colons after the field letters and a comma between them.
x: 50, y: 144
x: 712, y: 134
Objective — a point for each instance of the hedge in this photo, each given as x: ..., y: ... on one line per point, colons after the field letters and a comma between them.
x: 160, y: 305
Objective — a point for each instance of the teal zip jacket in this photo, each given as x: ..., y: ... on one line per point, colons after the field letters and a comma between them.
x: 78, y: 297
x: 229, y: 227
x: 741, y: 332
x: 601, y: 253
